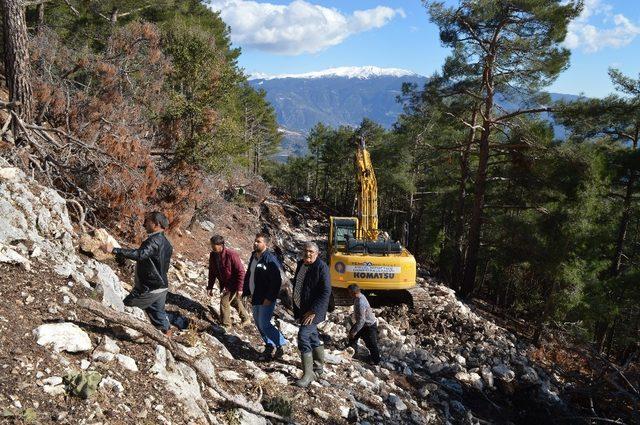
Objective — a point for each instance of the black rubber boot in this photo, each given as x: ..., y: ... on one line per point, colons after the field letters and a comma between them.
x: 318, y: 360
x: 307, y: 367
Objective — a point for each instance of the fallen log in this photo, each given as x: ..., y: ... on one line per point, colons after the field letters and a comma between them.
x: 177, y: 351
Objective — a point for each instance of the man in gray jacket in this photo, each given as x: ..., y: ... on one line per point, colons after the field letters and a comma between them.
x: 152, y: 264
x: 365, y: 326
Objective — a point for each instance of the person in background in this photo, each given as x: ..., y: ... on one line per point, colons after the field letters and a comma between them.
x: 225, y: 266
x: 263, y: 281
x: 365, y: 325
x: 152, y: 264
x: 311, y: 293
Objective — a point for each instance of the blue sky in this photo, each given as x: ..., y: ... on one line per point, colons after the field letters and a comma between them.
x: 285, y: 37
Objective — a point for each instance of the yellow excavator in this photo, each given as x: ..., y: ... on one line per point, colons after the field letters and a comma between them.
x: 360, y: 253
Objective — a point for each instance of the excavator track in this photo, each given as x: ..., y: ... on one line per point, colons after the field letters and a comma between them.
x: 419, y: 296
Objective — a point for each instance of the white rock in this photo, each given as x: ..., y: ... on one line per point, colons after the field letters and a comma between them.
x: 208, y: 226
x: 181, y: 380
x: 321, y: 413
x: 64, y: 269
x: 344, y: 411
x: 487, y: 376
x: 105, y: 278
x: 246, y: 418
x: 472, y: 379
x: 110, y: 345
x: 10, y: 173
x: 397, y: 402
x: 334, y: 357
x: 229, y: 375
x: 52, y: 380
x: 127, y: 362
x: 84, y: 364
x: 112, y: 385
x: 9, y: 256
x: 289, y: 330
x: 36, y: 252
x: 63, y: 337
x: 54, y: 390
x: 102, y: 356
x: 215, y: 342
x: 279, y: 378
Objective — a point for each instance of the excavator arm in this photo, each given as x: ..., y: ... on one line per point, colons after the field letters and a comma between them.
x: 367, y: 194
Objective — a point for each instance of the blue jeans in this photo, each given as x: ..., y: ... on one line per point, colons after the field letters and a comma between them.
x: 262, y: 315
x: 152, y: 304
x: 308, y: 338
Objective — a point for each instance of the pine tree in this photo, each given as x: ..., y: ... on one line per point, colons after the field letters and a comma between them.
x: 499, y: 47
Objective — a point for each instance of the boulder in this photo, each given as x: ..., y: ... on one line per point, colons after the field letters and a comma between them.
x: 63, y: 337
x: 90, y: 244
x: 103, y: 356
x: 109, y: 345
x: 181, y: 380
x: 127, y: 362
x: 471, y: 379
x: 503, y: 373
x: 396, y: 402
x: 229, y: 375
x: 8, y: 255
x: 107, y: 282
x: 112, y: 385
x: 207, y: 226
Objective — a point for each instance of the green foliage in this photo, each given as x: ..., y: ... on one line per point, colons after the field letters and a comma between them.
x: 212, y: 118
x: 279, y: 405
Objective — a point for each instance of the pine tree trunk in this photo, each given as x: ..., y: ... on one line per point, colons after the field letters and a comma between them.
x: 623, y: 226
x: 16, y: 58
x: 469, y: 278
x: 459, y: 254
x: 471, y: 263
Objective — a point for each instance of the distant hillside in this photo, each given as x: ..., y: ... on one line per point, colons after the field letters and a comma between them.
x: 340, y: 96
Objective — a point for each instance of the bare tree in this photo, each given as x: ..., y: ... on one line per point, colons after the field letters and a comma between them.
x: 16, y: 58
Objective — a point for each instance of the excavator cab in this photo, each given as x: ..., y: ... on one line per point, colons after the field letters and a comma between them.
x: 342, y: 231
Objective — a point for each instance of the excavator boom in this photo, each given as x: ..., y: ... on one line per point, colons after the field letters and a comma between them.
x: 367, y: 194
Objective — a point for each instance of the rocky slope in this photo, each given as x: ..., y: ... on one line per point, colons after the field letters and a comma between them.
x: 442, y: 363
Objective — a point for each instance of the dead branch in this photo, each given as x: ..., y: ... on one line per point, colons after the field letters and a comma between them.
x: 73, y: 9
x: 9, y: 105
x: 5, y: 127
x: 178, y: 353
x: 81, y: 214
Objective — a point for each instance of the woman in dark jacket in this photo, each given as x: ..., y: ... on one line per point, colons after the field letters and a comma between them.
x: 311, y: 293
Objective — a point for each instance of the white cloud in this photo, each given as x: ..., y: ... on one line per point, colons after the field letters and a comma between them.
x: 583, y: 34
x: 299, y: 27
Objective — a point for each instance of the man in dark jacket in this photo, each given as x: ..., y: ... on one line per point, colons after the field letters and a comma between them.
x: 311, y: 293
x: 226, y: 267
x: 262, y: 281
x: 152, y: 264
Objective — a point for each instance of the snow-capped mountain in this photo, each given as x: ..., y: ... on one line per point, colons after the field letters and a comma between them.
x: 335, y: 97
x: 360, y: 72
x: 342, y: 96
